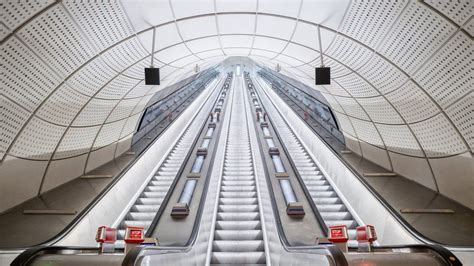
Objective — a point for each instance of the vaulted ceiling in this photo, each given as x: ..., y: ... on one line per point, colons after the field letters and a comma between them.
x: 401, y: 77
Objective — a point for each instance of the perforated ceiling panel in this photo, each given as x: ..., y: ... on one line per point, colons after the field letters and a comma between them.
x: 73, y: 72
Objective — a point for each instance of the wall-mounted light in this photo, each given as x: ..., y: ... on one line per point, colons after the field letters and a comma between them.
x: 152, y: 74
x: 322, y: 74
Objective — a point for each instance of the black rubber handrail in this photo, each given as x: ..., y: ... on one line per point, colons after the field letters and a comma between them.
x: 313, y: 206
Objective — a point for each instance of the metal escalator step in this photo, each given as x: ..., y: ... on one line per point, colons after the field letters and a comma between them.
x: 238, y: 208
x: 238, y: 188
x: 334, y: 200
x: 331, y: 208
x: 238, y: 225
x: 237, y: 246
x: 351, y: 224
x: 238, y: 235
x: 336, y: 215
x: 323, y: 194
x: 234, y: 201
x: 238, y: 258
x: 145, y: 208
x: 237, y: 216
x: 141, y: 216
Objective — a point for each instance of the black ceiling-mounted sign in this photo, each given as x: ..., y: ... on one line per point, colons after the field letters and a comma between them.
x: 152, y: 76
x: 323, y: 75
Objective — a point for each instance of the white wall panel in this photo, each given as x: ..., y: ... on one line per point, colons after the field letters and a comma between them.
x: 13, y: 119
x: 276, y: 27
x: 62, y: 171
x: 204, y: 44
x: 352, y: 108
x: 130, y: 125
x: 376, y: 154
x: 380, y: 110
x: 4, y: 31
x: 337, y: 69
x: 334, y: 89
x: 92, y: 77
x: 449, y: 74
x: 349, y: 52
x: 416, y: 169
x: 470, y: 26
x: 367, y: 132
x: 356, y: 86
x: 109, y: 133
x: 383, y: 75
x: 54, y: 36
x: 236, y: 41
x: 25, y: 79
x: 137, y: 71
x: 462, y: 115
x: 417, y: 34
x: 104, y: 23
x: 124, y: 54
x: 345, y: 124
x: 191, y: 8
x: 235, y: 24
x: 62, y: 106
x: 194, y: 28
x: 15, y: 13
x: 117, y: 88
x: 76, y: 141
x: 412, y: 103
x: 458, y: 11
x: 95, y: 112
x: 19, y: 180
x: 100, y: 157
x: 438, y: 137
x: 123, y: 109
x: 377, y: 18
x: 398, y: 138
x: 37, y: 140
x: 268, y: 44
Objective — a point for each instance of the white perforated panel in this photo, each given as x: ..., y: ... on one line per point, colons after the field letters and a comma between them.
x: 103, y: 22
x: 109, y: 133
x: 449, y: 74
x: 399, y: 139
x: 383, y: 75
x: 356, y: 86
x: 123, y: 109
x: 76, y: 141
x: 412, y: 103
x: 58, y: 41
x: 337, y: 69
x: 37, y: 140
x: 349, y: 52
x: 62, y: 106
x: 333, y: 103
x: 367, y: 132
x: 438, y: 137
x: 335, y: 89
x: 137, y: 70
x: 141, y: 105
x: 140, y: 90
x: 4, y: 31
x: 124, y: 54
x: 417, y: 34
x: 117, y: 88
x: 462, y: 115
x: 470, y: 26
x: 458, y: 11
x: 91, y: 77
x: 380, y: 110
x: 345, y: 124
x: 95, y: 112
x: 15, y: 13
x: 25, y: 79
x: 377, y: 18
x: 352, y: 108
x: 13, y: 118
x: 130, y: 125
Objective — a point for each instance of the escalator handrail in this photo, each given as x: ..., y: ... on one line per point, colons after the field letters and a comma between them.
x: 415, y: 233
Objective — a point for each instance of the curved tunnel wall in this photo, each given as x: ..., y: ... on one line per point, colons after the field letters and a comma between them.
x: 401, y: 87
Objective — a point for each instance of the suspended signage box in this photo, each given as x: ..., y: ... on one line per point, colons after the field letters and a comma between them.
x: 323, y: 75
x: 152, y: 76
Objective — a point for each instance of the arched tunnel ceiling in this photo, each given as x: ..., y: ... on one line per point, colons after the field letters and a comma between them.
x: 401, y: 74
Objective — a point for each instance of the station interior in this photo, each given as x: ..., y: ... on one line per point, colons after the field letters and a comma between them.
x: 237, y: 132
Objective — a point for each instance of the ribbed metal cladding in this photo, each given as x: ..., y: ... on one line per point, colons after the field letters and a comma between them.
x: 238, y: 236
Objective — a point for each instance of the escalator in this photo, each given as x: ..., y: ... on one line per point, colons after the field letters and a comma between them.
x: 238, y: 235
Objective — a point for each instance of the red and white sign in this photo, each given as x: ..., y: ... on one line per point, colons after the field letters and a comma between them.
x: 366, y: 233
x: 134, y: 234
x: 106, y: 235
x: 338, y: 234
